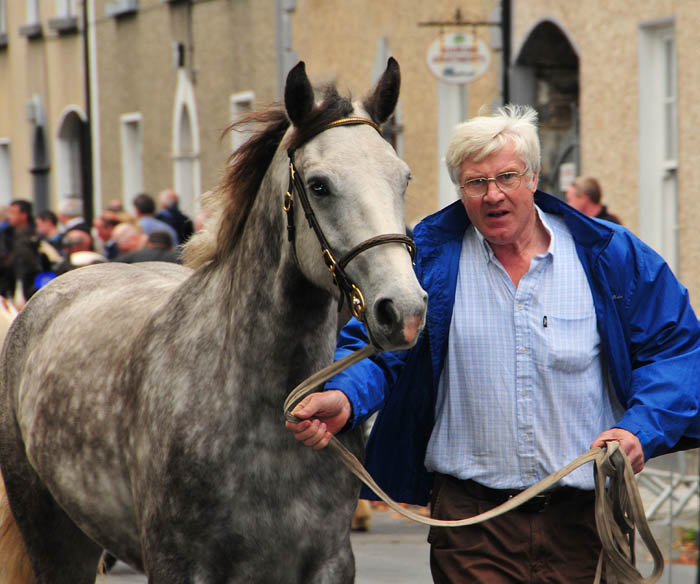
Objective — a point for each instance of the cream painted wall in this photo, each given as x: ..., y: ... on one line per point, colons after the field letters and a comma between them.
x: 606, y: 34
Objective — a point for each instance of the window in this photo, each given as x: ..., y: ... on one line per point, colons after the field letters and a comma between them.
x: 241, y: 103
x: 32, y: 11
x: 32, y: 28
x: 66, y: 8
x: 658, y: 140
x: 5, y: 172
x: 132, y: 155
x: 121, y: 7
x: 66, y: 20
x: 3, y: 24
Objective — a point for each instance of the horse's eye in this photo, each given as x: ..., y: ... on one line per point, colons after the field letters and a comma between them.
x: 319, y: 188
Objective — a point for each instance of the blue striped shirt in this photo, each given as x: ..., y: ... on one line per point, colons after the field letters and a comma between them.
x: 523, y: 390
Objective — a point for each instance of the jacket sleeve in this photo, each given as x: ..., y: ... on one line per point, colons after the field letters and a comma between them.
x: 662, y: 400
x: 366, y: 383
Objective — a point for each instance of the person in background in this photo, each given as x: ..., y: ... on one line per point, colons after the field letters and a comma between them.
x: 20, y: 258
x: 170, y: 213
x: 145, y: 215
x: 77, y: 250
x: 104, y: 228
x: 115, y: 206
x: 158, y: 248
x: 48, y: 229
x: 585, y: 195
x: 548, y: 333
x: 128, y: 237
x: 70, y: 215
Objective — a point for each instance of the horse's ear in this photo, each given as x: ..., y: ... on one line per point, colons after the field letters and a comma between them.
x: 381, y: 102
x: 298, y: 94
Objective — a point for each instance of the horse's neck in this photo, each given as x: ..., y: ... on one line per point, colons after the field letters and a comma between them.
x: 273, y: 310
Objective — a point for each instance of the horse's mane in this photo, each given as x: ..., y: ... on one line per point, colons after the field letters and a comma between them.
x: 229, y: 205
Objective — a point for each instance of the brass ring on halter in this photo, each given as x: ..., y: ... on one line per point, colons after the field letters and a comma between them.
x: 330, y: 261
x: 357, y: 302
x: 288, y: 200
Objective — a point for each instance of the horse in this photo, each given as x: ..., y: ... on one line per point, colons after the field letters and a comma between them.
x: 141, y: 404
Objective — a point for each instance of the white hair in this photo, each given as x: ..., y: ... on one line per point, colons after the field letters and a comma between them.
x: 71, y: 206
x: 484, y: 135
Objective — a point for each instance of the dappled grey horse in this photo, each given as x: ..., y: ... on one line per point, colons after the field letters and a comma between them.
x: 141, y: 405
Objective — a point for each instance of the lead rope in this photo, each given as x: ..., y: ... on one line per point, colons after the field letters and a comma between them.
x: 618, y: 510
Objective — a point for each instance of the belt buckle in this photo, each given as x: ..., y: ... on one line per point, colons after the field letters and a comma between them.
x: 537, y: 504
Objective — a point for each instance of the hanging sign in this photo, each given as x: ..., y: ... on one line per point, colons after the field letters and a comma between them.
x: 458, y: 57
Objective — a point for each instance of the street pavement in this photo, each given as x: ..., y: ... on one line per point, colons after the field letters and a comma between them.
x: 395, y: 550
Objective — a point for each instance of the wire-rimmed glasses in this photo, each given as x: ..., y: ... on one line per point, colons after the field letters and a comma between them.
x: 506, y: 182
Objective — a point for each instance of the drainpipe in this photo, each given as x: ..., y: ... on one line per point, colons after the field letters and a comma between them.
x: 86, y: 141
x: 505, y: 41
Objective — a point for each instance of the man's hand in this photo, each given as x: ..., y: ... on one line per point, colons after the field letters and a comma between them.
x: 629, y: 444
x: 323, y: 414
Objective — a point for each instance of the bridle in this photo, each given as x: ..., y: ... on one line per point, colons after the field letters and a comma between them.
x: 348, y: 288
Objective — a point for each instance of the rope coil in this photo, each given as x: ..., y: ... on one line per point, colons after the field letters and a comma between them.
x: 619, y: 510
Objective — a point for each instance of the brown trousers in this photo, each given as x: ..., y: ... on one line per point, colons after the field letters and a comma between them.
x: 556, y: 545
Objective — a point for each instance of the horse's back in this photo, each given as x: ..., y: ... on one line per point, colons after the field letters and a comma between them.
x: 65, y: 365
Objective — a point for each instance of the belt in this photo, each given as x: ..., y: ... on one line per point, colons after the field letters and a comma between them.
x: 537, y: 504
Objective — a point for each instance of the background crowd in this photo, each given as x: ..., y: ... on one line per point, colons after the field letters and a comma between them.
x: 36, y: 249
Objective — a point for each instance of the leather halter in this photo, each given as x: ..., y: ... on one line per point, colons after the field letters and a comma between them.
x: 348, y: 288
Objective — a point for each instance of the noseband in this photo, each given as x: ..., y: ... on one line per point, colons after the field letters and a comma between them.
x: 348, y: 288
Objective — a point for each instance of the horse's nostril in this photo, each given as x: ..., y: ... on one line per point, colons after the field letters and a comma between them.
x: 386, y: 313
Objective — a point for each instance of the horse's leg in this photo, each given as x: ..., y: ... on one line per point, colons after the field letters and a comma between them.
x: 59, y: 552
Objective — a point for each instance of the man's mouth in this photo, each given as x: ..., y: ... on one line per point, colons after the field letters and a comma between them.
x: 497, y: 214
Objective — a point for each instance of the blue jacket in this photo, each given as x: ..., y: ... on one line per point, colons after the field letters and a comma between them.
x: 649, y: 333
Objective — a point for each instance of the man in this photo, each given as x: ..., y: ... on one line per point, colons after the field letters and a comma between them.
x: 77, y: 250
x: 547, y: 333
x: 20, y: 260
x: 47, y: 228
x: 70, y: 215
x: 145, y: 211
x: 170, y: 213
x: 128, y: 237
x: 158, y: 248
x: 104, y: 228
x: 585, y: 195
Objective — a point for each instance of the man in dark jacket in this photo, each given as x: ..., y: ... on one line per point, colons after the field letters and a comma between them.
x: 170, y: 213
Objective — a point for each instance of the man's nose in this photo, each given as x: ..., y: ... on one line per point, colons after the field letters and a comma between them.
x: 493, y: 193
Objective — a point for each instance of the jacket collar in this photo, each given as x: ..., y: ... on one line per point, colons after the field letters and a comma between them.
x: 451, y: 222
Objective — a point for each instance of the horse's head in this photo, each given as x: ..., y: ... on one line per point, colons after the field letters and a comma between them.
x: 355, y: 185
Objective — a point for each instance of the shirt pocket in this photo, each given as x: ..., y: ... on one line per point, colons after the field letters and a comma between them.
x: 572, y: 342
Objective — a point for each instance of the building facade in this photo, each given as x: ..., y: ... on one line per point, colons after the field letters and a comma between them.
x: 628, y: 71
x: 107, y: 98
x: 43, y: 118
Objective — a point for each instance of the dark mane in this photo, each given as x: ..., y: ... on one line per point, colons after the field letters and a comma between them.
x: 248, y: 165
x: 231, y: 202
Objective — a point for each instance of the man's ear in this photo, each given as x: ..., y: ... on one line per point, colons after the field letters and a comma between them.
x: 535, y: 179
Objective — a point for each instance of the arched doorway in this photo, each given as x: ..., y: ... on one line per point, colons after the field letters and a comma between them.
x: 545, y: 75
x: 70, y: 160
x: 186, y: 145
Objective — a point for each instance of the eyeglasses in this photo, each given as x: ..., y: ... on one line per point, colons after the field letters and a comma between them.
x: 506, y: 182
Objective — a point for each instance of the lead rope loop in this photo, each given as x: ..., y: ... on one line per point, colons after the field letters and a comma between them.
x: 618, y: 510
